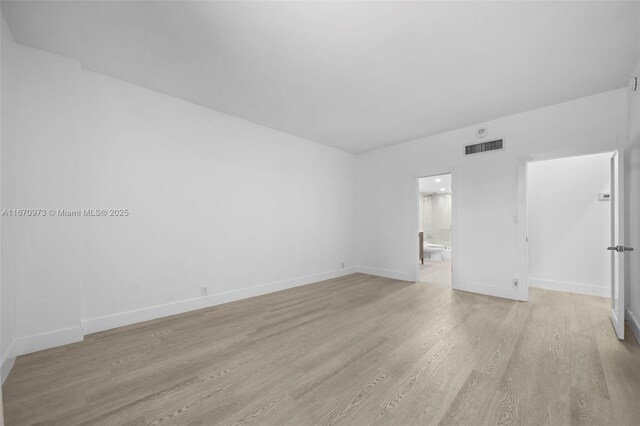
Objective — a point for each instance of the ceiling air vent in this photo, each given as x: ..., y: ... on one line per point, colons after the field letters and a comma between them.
x: 483, y: 147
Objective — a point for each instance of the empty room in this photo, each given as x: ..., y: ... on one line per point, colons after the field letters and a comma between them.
x: 309, y: 212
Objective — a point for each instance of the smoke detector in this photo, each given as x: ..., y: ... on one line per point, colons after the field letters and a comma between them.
x: 481, y: 132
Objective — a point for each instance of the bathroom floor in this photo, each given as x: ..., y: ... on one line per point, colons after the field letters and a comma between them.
x: 436, y: 272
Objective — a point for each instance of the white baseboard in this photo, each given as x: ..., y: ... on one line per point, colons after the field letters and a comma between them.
x: 121, y: 319
x: 634, y: 324
x: 8, y: 358
x: 51, y: 339
x: 396, y: 275
x: 37, y: 342
x: 505, y: 293
x: 570, y: 287
x: 488, y: 290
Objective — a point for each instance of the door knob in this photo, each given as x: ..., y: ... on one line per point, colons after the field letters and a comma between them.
x: 620, y: 249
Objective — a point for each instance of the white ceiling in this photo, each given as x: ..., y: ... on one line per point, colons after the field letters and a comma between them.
x: 353, y: 75
x: 430, y: 184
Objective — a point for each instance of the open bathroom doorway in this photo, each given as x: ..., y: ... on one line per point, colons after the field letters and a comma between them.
x: 435, y: 232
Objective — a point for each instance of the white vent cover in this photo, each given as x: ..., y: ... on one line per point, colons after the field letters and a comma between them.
x: 483, y: 147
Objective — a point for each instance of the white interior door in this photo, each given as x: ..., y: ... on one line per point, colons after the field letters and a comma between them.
x: 617, y: 247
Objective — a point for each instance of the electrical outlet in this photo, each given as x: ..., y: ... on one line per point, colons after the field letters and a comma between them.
x: 515, y: 282
x: 204, y: 291
x: 342, y: 265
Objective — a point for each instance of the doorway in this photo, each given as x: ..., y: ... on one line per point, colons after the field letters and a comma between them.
x: 568, y: 206
x: 572, y: 227
x: 435, y: 219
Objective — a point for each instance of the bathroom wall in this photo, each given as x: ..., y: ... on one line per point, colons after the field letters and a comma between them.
x: 437, y: 219
x: 569, y: 228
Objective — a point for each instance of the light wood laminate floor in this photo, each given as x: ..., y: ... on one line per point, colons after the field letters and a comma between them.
x: 355, y: 350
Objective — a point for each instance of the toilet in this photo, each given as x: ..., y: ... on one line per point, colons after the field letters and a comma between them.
x: 433, y: 251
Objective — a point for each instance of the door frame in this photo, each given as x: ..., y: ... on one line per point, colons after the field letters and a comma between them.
x: 415, y: 224
x: 523, y: 225
x: 618, y: 234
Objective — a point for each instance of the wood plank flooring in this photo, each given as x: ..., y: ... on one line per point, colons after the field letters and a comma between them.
x: 357, y: 350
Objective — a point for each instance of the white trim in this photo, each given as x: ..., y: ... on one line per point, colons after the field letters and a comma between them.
x: 414, y: 223
x: 7, y: 365
x: 8, y: 358
x: 50, y: 339
x: 618, y: 234
x: 568, y: 153
x: 523, y: 231
x: 385, y: 273
x: 580, y: 288
x: 121, y: 319
x: 615, y: 321
x: 455, y: 223
x: 634, y: 324
x: 489, y: 290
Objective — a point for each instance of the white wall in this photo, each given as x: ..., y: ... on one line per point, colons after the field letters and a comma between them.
x: 487, y: 250
x: 437, y: 219
x: 632, y: 207
x: 569, y: 228
x: 7, y: 288
x: 41, y: 170
x: 214, y: 201
x: 2, y: 352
